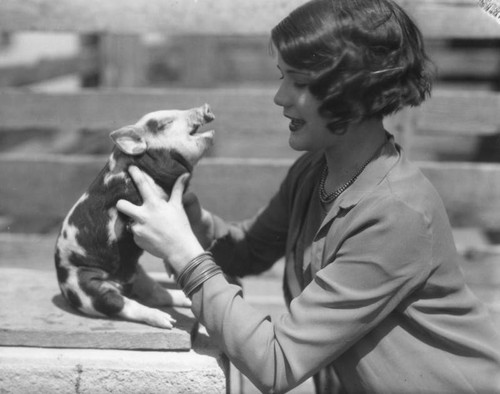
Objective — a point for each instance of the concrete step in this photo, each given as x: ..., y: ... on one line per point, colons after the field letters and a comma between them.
x: 45, y: 347
x: 51, y: 371
x: 46, y: 320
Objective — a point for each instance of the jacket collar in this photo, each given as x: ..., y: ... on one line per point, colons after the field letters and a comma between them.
x: 371, y: 176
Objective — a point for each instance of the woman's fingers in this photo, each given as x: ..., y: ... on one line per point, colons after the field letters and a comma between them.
x: 143, y: 182
x: 192, y: 207
x: 178, y: 189
x: 129, y: 209
x: 147, y: 190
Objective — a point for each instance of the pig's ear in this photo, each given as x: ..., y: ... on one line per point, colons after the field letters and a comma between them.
x: 129, y: 140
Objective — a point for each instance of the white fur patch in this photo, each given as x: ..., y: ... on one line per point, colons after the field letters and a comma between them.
x: 112, y: 162
x: 68, y: 243
x: 72, y: 284
x: 115, y: 171
x: 115, y: 226
x: 110, y: 176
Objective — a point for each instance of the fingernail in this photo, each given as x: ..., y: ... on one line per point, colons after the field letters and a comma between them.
x: 133, y: 169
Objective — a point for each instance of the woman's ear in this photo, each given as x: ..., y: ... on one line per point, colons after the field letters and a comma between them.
x: 129, y: 140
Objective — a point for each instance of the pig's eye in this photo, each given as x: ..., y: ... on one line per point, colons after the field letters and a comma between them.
x: 164, y: 124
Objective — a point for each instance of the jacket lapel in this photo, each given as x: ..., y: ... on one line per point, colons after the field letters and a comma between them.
x: 373, y: 174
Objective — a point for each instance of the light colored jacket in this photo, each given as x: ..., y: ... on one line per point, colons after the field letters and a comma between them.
x: 386, y: 303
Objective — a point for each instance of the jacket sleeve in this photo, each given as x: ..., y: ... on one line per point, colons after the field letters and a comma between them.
x: 381, y: 260
x: 253, y: 246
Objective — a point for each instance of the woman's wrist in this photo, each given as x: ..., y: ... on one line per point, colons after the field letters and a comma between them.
x: 196, y: 272
x: 181, y: 257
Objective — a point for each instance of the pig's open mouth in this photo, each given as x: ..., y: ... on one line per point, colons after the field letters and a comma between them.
x: 195, y: 130
x: 198, y: 125
x: 200, y: 130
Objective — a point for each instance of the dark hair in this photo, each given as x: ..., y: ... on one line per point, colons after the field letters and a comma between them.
x: 367, y: 57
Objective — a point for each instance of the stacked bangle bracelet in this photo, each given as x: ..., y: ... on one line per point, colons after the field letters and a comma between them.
x: 197, y: 272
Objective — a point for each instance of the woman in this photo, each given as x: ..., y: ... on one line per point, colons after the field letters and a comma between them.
x: 376, y: 295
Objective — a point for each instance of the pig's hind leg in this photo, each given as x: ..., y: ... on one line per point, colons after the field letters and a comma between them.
x: 114, y: 304
x: 135, y: 311
x: 99, y: 296
x: 151, y: 293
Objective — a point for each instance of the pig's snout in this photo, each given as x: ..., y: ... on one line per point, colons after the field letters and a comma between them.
x: 200, y: 115
x: 207, y: 113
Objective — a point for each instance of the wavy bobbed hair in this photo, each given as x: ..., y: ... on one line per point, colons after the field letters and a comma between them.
x: 367, y: 57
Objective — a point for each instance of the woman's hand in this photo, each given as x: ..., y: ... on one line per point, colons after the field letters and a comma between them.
x: 201, y: 220
x: 161, y: 227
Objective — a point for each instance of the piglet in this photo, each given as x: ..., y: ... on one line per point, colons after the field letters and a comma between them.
x: 96, y: 257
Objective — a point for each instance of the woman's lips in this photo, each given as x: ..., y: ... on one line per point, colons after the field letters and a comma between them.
x: 295, y: 124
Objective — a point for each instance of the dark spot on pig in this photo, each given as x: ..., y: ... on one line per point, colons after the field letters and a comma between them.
x: 93, y: 282
x: 62, y: 272
x: 65, y: 234
x: 76, y: 260
x: 73, y: 298
x: 163, y: 166
x: 152, y: 125
x: 110, y: 302
x: 127, y: 289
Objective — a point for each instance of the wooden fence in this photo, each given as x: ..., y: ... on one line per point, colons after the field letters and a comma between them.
x: 250, y: 156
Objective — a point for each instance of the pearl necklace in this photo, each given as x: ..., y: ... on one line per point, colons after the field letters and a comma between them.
x: 327, y: 198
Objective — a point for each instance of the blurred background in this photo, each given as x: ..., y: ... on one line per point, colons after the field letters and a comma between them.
x: 63, y: 62
x: 62, y: 93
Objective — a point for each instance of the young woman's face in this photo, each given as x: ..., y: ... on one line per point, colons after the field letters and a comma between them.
x: 308, y: 130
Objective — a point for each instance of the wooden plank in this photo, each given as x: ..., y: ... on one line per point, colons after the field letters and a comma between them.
x: 470, y: 191
x: 451, y: 18
x: 36, y: 252
x: 456, y: 112
x: 198, y: 73
x: 122, y: 61
x: 242, y: 116
x: 51, y: 184
x: 437, y: 18
x: 479, y: 62
x: 482, y: 269
x: 114, y: 108
x: 137, y: 16
x: 59, y: 181
x: 247, y: 112
x: 52, y: 190
x: 20, y: 75
x: 461, y: 112
x: 237, y: 188
x: 47, y: 320
x: 404, y: 127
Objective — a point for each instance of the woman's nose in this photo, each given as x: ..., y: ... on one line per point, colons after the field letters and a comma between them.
x: 280, y: 98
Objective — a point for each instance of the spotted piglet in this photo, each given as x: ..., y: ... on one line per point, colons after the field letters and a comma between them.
x: 96, y: 257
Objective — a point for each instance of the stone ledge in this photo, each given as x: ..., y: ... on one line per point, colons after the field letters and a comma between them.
x: 30, y: 370
x: 34, y: 314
